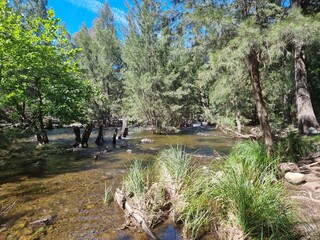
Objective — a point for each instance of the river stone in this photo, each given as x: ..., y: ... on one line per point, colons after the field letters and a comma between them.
x: 312, y: 131
x: 295, y: 178
x: 313, y: 186
x: 146, y: 140
x: 311, y: 177
x: 289, y: 167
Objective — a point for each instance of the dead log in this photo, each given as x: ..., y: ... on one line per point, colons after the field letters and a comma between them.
x: 134, y: 215
x: 235, y: 133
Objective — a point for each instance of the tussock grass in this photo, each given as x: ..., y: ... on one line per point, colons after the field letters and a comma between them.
x: 243, y: 199
x: 200, y: 208
x: 135, y: 180
x: 176, y: 164
x: 249, y: 189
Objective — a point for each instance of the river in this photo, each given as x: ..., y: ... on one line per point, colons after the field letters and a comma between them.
x: 66, y: 188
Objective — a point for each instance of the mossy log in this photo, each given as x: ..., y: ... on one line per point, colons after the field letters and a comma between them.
x: 135, y: 216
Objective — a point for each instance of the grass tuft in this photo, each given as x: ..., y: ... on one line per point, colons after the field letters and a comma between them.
x: 108, y: 194
x: 249, y: 189
x: 176, y: 164
x: 135, y: 180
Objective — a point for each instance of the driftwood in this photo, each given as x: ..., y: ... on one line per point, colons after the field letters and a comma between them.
x: 226, y: 130
x: 134, y: 215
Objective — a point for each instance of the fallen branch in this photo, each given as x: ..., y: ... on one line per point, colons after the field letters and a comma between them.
x: 235, y: 133
x: 132, y: 213
x: 7, y: 209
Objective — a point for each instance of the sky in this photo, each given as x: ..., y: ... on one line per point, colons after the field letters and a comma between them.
x: 76, y: 12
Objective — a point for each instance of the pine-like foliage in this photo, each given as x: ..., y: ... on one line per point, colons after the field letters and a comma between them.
x: 159, y: 73
x: 101, y: 62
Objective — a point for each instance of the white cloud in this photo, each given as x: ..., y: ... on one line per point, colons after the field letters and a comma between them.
x: 119, y: 16
x: 94, y: 6
x: 91, y: 5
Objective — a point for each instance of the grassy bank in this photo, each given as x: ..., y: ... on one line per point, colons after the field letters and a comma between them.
x: 243, y: 199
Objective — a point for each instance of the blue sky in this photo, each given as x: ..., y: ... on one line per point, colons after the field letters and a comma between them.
x: 76, y: 12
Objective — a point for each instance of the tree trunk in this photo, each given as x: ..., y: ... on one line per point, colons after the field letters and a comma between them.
x: 85, y: 136
x: 77, y: 139
x: 253, y: 67
x: 238, y: 121
x: 99, y: 139
x: 305, y: 114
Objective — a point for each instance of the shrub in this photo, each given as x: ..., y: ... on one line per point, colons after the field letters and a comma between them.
x: 293, y: 147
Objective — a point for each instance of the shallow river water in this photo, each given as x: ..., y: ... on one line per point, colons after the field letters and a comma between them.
x: 67, y: 188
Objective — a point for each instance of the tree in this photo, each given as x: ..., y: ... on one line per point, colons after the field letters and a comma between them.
x: 142, y: 64
x: 31, y: 8
x: 305, y: 114
x: 39, y: 75
x: 100, y: 60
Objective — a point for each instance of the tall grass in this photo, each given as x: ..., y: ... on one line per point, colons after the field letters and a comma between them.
x: 249, y: 189
x: 135, y: 179
x: 245, y: 196
x: 200, y: 208
x: 176, y: 164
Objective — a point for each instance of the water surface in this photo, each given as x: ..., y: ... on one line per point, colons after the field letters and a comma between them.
x: 68, y: 186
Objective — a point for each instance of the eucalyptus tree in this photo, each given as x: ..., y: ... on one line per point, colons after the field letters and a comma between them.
x: 100, y: 60
x: 39, y: 77
x: 301, y: 33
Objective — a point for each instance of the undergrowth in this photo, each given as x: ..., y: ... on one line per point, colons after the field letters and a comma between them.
x: 294, y: 146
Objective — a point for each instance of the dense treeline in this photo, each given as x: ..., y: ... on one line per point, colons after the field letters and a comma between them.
x: 226, y: 62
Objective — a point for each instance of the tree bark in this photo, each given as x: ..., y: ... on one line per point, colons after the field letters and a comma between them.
x: 305, y: 114
x: 99, y: 139
x: 238, y: 121
x: 253, y: 67
x: 85, y: 136
x: 77, y: 139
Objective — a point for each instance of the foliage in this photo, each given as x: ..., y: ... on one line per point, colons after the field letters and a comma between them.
x: 159, y: 72
x: 39, y: 74
x: 100, y: 62
x: 293, y: 147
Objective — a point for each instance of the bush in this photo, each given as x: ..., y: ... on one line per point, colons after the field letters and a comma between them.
x: 293, y: 147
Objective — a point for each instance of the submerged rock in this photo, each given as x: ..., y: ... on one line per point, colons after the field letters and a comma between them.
x: 295, y: 178
x: 146, y: 140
